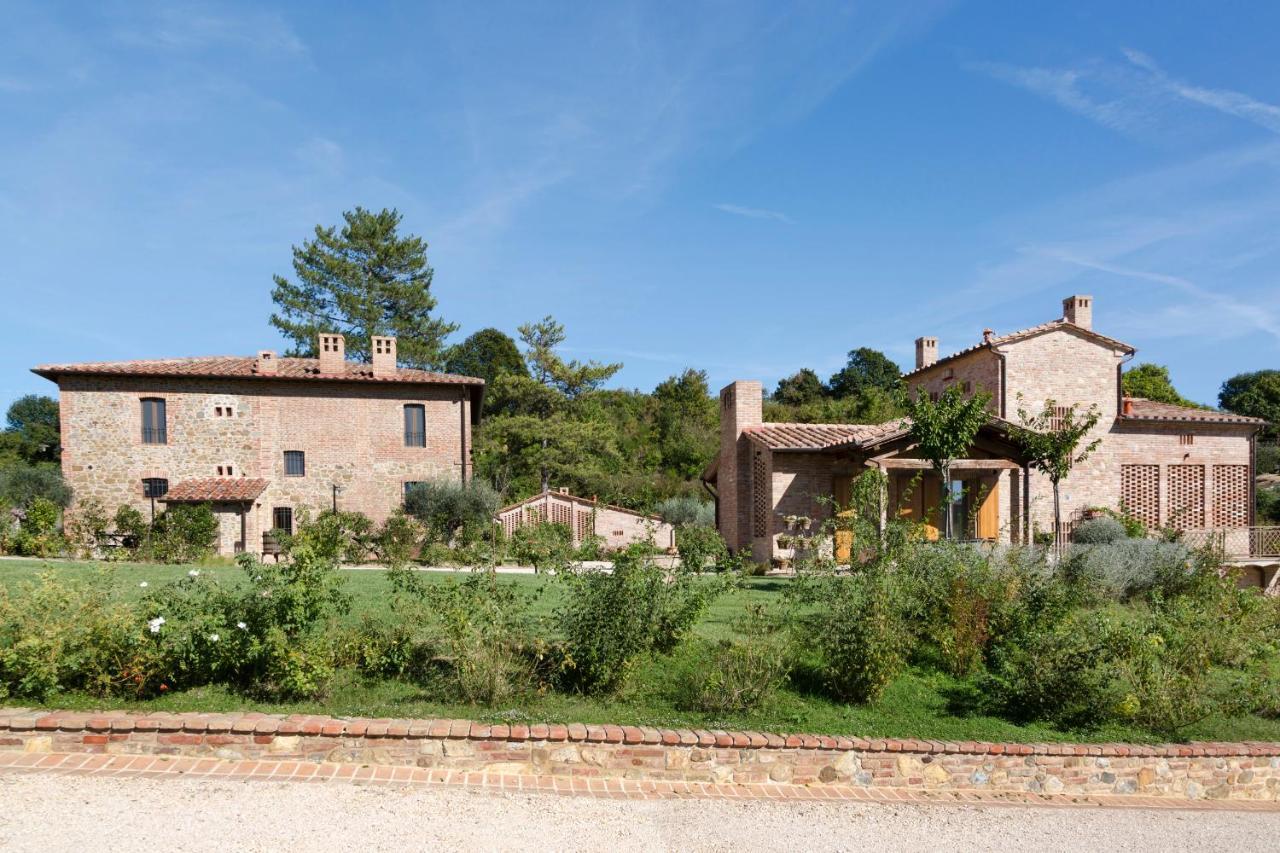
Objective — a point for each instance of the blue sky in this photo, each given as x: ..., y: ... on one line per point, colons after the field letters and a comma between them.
x: 744, y: 187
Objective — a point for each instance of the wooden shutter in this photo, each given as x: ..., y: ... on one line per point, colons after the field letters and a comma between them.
x: 989, y: 511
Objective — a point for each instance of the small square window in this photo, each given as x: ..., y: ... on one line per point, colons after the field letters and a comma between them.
x: 155, y: 487
x: 1186, y: 438
x: 295, y: 463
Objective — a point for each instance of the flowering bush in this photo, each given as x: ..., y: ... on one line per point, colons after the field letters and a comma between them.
x: 73, y: 633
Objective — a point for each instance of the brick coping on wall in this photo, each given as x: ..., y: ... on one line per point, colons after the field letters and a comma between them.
x: 1247, y: 770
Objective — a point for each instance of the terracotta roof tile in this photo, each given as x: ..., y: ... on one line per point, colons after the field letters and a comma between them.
x: 1149, y: 410
x: 246, y: 367
x: 216, y: 489
x: 1030, y: 332
x: 795, y: 436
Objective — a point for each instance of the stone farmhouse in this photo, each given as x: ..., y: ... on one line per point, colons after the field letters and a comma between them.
x: 1192, y: 469
x: 617, y: 527
x: 262, y: 438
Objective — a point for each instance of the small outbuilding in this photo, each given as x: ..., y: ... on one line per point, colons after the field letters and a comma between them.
x: 586, y: 517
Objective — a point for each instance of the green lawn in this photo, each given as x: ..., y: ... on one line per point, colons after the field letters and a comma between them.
x: 920, y: 704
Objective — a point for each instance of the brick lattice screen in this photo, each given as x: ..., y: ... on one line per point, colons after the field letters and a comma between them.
x: 760, y: 497
x: 1140, y: 492
x: 582, y: 525
x: 1186, y: 496
x: 1230, y: 495
x: 561, y: 513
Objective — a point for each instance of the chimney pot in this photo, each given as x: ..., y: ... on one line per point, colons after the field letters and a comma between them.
x: 266, y: 362
x: 333, y: 353
x: 987, y: 334
x: 926, y: 352
x: 384, y: 355
x: 1078, y: 310
x: 1128, y: 408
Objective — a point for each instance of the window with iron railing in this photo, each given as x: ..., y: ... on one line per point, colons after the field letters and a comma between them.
x: 282, y: 519
x: 155, y: 487
x: 154, y: 429
x: 295, y: 463
x: 415, y: 425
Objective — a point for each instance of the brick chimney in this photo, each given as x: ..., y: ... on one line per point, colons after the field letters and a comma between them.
x: 1078, y: 310
x: 333, y: 353
x: 384, y: 356
x: 266, y: 362
x: 741, y: 406
x: 926, y: 352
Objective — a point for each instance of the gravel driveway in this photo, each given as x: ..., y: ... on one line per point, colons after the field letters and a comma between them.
x: 41, y: 812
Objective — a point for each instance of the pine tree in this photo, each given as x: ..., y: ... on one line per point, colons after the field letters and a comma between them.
x: 361, y: 281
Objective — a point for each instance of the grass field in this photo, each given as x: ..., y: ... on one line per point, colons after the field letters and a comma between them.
x: 920, y: 704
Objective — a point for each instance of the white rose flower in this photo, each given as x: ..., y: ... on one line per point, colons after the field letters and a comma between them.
x: 242, y: 626
x: 213, y: 638
x: 155, y: 624
x: 143, y: 584
x: 195, y: 573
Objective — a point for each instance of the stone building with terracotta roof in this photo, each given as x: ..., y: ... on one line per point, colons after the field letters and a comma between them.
x: 1170, y: 466
x: 261, y: 438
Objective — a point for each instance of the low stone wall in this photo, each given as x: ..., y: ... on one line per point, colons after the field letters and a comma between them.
x: 1198, y: 770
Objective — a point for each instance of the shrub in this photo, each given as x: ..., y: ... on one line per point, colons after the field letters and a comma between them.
x: 544, y: 545
x: 21, y: 484
x: 86, y: 532
x: 338, y: 535
x: 183, y: 533
x: 608, y: 620
x: 482, y: 627
x: 1103, y: 530
x: 734, y: 676
x: 453, y: 511
x: 72, y: 633
x: 38, y: 530
x: 687, y: 510
x: 1269, y: 504
x: 397, y: 539
x: 697, y: 545
x: 862, y: 642
x: 1131, y: 567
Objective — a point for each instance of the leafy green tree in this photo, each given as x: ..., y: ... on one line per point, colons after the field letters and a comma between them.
x: 361, y: 281
x: 1256, y: 395
x: 487, y: 354
x: 570, y: 378
x: 538, y: 426
x: 33, y: 429
x: 867, y: 369
x: 21, y: 485
x: 1051, y: 441
x: 1151, y: 382
x: 799, y: 388
x: 943, y: 430
x: 687, y: 423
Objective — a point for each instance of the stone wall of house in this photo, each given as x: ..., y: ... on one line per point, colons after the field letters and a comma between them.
x: 976, y: 372
x: 1243, y: 771
x: 803, y: 485
x: 352, y: 435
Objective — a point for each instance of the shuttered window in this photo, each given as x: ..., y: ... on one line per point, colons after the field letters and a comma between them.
x: 154, y: 430
x: 415, y: 425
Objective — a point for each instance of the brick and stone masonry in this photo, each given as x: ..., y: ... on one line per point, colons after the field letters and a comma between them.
x: 1241, y: 771
x: 1168, y: 465
x: 235, y: 418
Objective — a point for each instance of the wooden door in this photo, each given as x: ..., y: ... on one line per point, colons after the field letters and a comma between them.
x: 842, y: 491
x: 988, y: 524
x: 919, y: 499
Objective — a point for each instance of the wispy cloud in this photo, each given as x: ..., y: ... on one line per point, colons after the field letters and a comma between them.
x: 1134, y: 96
x: 1226, y: 101
x: 753, y: 212
x: 194, y: 27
